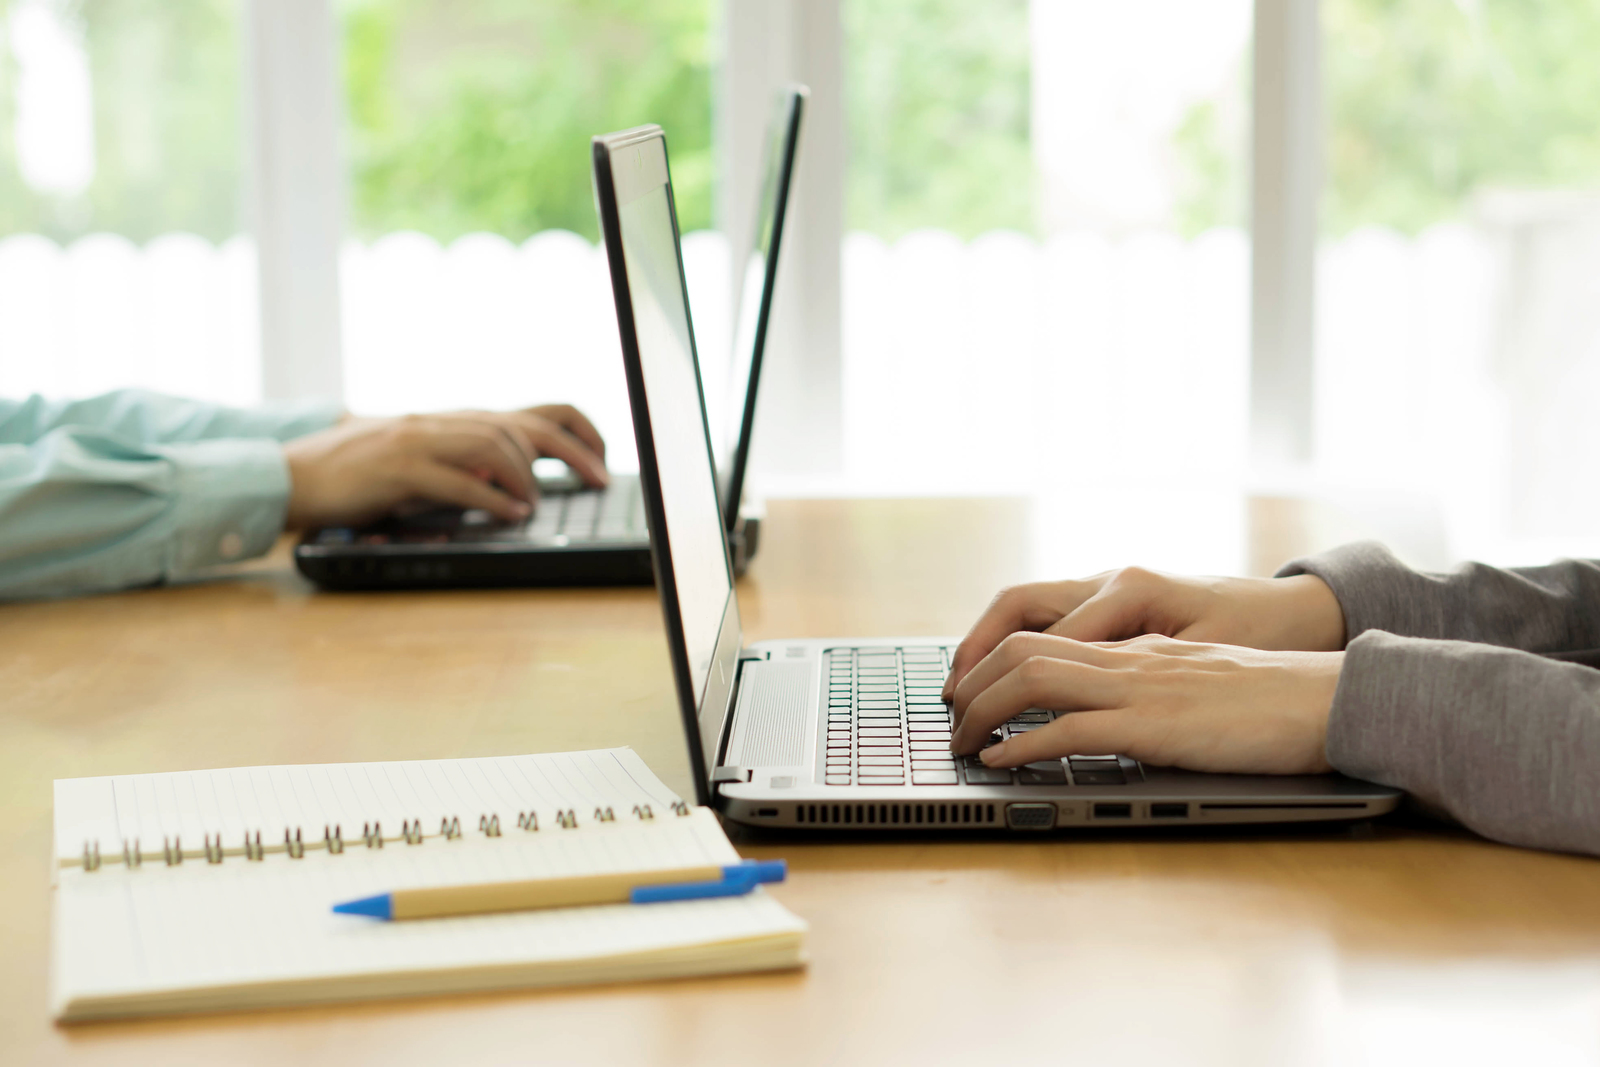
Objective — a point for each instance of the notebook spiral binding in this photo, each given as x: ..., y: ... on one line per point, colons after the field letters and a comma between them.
x: 294, y: 845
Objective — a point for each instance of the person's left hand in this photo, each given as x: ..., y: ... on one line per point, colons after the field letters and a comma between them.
x: 1157, y: 699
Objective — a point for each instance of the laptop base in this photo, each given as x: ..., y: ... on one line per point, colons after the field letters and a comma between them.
x: 852, y: 735
x: 488, y: 566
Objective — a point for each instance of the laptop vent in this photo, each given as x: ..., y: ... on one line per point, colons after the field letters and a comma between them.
x: 896, y: 814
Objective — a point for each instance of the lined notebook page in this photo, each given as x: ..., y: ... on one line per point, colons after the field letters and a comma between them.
x: 243, y: 923
x: 149, y: 814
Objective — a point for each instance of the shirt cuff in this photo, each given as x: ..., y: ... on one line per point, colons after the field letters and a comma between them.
x: 233, y: 497
x: 1370, y: 585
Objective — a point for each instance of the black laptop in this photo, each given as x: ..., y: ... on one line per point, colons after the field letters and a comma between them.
x: 576, y: 535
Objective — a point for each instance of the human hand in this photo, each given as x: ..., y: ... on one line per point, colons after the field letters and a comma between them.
x: 559, y: 431
x: 1270, y: 613
x: 1204, y: 707
x: 362, y: 469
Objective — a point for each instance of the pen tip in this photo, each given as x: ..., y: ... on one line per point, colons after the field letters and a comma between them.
x: 378, y: 907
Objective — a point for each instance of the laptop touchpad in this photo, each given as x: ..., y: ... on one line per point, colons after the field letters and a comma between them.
x: 769, y: 724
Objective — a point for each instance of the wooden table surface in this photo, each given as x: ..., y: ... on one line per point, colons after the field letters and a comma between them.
x: 1400, y: 942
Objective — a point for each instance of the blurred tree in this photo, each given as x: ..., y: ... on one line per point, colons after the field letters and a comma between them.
x: 1428, y: 101
x: 477, y: 116
x: 937, y: 93
x: 168, y: 145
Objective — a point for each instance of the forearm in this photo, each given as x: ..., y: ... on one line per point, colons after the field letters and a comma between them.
x: 1552, y: 609
x: 151, y: 418
x: 1505, y: 742
x: 83, y: 512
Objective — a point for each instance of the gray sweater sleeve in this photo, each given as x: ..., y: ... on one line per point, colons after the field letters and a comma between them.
x: 1501, y: 739
x: 1550, y: 610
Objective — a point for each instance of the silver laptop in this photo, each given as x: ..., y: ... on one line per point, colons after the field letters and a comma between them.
x: 840, y: 733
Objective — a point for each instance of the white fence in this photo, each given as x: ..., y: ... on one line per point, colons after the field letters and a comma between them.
x: 999, y: 364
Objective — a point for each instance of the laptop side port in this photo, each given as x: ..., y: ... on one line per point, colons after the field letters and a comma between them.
x: 1030, y: 816
x: 1113, y: 811
x: 1172, y: 809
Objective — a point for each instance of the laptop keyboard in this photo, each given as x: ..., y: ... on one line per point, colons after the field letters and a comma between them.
x: 580, y: 516
x: 886, y: 725
x: 564, y: 517
x: 615, y: 513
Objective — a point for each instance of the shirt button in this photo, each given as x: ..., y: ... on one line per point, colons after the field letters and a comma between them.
x: 231, y: 546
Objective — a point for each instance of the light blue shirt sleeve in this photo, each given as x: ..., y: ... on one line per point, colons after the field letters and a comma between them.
x: 151, y: 418
x: 134, y: 489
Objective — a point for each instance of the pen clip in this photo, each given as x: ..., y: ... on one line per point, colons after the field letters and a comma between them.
x: 736, y: 881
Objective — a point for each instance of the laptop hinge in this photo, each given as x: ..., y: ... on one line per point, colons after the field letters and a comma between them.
x: 747, y: 655
x: 731, y: 774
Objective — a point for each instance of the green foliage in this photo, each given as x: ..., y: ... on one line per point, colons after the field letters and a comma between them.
x: 1429, y: 101
x: 168, y: 150
x: 1211, y: 188
x: 937, y: 97
x: 478, y: 116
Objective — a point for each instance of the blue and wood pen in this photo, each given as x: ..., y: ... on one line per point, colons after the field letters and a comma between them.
x: 638, y: 887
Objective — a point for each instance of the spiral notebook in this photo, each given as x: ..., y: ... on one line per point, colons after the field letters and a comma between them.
x: 212, y: 890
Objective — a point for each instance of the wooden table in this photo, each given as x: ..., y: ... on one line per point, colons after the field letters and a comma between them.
x: 1399, y: 942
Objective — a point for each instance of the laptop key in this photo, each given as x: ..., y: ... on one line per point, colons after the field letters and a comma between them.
x: 1099, y: 778
x: 981, y: 775
x: 836, y: 779
x: 934, y: 778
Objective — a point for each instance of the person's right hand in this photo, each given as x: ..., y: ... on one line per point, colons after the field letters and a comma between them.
x: 363, y: 469
x: 1279, y: 614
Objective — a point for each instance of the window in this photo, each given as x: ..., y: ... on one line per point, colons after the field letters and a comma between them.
x: 1046, y: 278
x: 1459, y: 325
x: 1021, y: 254
x: 123, y: 258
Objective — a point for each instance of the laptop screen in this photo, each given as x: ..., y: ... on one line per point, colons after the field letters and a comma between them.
x: 733, y: 414
x: 692, y: 559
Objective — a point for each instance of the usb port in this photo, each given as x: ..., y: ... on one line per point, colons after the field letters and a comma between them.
x: 766, y: 813
x: 1113, y: 811
x: 1169, y: 810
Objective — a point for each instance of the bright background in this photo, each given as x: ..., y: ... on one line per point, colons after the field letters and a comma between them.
x: 1045, y: 263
